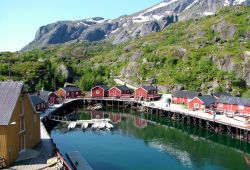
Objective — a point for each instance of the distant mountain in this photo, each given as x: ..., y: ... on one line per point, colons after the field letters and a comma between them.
x: 124, y: 28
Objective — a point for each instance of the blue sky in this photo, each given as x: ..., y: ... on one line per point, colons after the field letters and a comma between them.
x: 19, y: 19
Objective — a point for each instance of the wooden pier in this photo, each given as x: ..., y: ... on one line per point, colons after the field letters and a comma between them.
x: 217, y: 124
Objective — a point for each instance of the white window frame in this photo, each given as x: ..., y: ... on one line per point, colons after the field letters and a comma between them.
x: 241, y: 107
x: 97, y: 91
x: 220, y: 105
x: 196, y: 105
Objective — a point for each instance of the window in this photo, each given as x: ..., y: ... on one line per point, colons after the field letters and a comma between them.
x: 38, y: 106
x: 97, y: 92
x: 196, y: 105
x: 220, y: 105
x: 76, y: 93
x: 22, y: 124
x: 240, y: 107
x: 175, y: 98
x: 67, y: 93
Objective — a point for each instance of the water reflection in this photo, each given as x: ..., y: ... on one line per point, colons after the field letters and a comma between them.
x: 193, y: 148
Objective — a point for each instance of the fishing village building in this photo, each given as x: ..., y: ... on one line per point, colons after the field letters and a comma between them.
x: 183, y: 97
x: 120, y: 92
x: 233, y: 104
x: 100, y: 91
x: 39, y: 104
x: 19, y: 122
x: 202, y: 103
x: 50, y: 97
x: 147, y: 92
x: 69, y: 92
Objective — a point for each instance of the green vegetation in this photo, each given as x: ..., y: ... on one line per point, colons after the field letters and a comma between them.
x: 185, y: 53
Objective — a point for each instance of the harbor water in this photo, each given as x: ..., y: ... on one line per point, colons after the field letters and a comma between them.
x: 145, y: 141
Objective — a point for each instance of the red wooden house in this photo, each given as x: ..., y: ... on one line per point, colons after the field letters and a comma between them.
x: 100, y: 91
x: 39, y: 104
x: 115, y: 118
x: 202, y: 103
x: 183, y: 97
x: 146, y: 92
x: 120, y: 92
x: 69, y: 92
x: 50, y: 97
x: 233, y: 104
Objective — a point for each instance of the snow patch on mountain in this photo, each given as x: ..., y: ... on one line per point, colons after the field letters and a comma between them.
x: 208, y: 13
x: 238, y: 2
x: 226, y: 3
x: 163, y: 4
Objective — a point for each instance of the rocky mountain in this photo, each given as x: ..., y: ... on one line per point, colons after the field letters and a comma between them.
x: 124, y: 28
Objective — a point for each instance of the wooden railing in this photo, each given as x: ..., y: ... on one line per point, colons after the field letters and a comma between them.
x: 2, y: 162
x: 64, y: 163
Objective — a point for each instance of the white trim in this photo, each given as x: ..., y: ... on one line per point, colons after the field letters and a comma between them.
x: 198, y: 99
x: 99, y: 87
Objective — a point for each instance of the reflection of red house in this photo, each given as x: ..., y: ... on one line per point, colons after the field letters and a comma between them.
x: 120, y: 91
x: 233, y: 104
x: 99, y: 91
x: 115, y: 118
x: 97, y: 114
x: 146, y: 92
x: 140, y: 123
x: 69, y: 92
x: 201, y: 102
x: 183, y: 97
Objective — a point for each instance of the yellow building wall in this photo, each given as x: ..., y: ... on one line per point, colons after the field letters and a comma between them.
x: 12, y: 132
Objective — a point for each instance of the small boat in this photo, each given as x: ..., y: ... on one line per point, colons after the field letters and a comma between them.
x: 108, y: 125
x: 95, y: 107
x: 85, y: 125
x: 101, y: 125
x: 72, y: 125
x: 95, y: 125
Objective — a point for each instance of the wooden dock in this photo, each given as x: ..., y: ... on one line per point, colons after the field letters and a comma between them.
x: 77, y: 161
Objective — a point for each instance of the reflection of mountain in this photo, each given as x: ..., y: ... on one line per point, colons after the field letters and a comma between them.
x: 182, y: 156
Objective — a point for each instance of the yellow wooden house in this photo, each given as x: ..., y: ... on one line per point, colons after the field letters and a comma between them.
x: 19, y: 122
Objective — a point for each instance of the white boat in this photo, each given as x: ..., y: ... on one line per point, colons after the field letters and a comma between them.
x: 95, y: 125
x: 108, y: 125
x: 72, y: 125
x: 85, y: 125
x: 101, y: 125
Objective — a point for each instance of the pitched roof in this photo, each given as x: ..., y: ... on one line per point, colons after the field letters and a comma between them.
x: 234, y: 100
x: 104, y: 87
x: 123, y: 88
x: 71, y: 88
x: 185, y: 94
x: 221, y: 94
x: 207, y: 99
x: 36, y: 100
x: 149, y: 88
x: 44, y: 95
x: 9, y: 93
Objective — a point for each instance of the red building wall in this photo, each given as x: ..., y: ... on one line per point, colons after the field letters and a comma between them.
x: 140, y: 92
x: 114, y: 92
x: 41, y: 107
x: 53, y: 99
x: 73, y: 94
x: 232, y: 108
x: 180, y: 100
x: 98, y: 92
x: 191, y: 104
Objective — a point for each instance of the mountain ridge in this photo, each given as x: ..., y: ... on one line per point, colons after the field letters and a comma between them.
x: 126, y: 27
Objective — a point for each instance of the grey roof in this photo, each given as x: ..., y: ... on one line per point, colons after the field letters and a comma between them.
x: 44, y: 95
x: 207, y: 99
x: 123, y: 88
x: 149, y: 88
x: 234, y: 100
x: 71, y: 88
x: 185, y: 94
x: 221, y: 94
x: 9, y: 93
x: 36, y: 100
x: 105, y: 87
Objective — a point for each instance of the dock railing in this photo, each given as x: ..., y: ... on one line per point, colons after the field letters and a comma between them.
x: 64, y: 163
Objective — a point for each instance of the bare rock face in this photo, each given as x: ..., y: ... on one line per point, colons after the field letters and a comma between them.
x: 246, y: 70
x: 125, y: 28
x: 224, y: 29
x: 131, y: 70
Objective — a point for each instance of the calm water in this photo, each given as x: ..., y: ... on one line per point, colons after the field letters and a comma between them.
x: 149, y: 142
